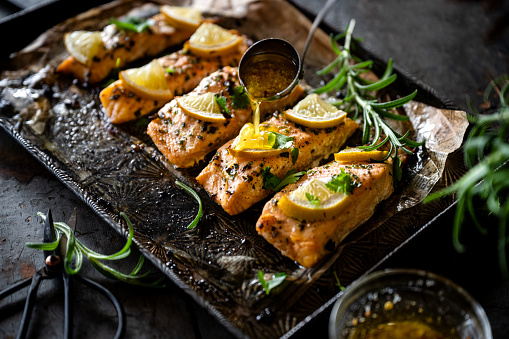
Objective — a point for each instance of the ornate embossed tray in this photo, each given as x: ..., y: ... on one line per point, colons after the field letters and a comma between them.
x: 117, y: 169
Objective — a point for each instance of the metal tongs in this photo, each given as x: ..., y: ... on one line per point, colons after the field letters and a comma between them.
x: 54, y: 269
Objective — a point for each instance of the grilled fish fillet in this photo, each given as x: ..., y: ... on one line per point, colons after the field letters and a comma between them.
x: 185, y: 140
x: 307, y: 242
x: 184, y: 73
x: 237, y: 183
x: 122, y: 47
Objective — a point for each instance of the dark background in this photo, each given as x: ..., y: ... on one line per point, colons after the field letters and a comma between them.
x: 456, y: 47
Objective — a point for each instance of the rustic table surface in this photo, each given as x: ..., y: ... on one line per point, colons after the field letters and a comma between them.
x: 456, y: 47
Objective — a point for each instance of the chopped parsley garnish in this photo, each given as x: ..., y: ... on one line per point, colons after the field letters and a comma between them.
x: 132, y: 24
x: 312, y: 199
x: 280, y: 141
x: 272, y: 182
x: 294, y: 152
x: 240, y: 98
x: 268, y: 285
x: 221, y: 101
x: 341, y: 183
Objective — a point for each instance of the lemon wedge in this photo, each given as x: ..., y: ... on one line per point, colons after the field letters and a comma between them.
x: 353, y: 154
x: 202, y: 107
x: 211, y: 40
x: 314, y: 112
x: 185, y: 18
x: 314, y: 201
x: 83, y: 45
x: 248, y: 144
x: 148, y: 81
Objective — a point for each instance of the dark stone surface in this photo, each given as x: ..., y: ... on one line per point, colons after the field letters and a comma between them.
x: 455, y: 47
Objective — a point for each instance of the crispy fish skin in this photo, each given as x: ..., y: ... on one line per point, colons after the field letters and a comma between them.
x: 237, y: 183
x: 307, y: 242
x: 185, y: 140
x: 121, y: 105
x: 122, y: 47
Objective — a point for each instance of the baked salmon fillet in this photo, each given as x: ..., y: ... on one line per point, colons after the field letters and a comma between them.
x: 184, y: 71
x: 120, y: 47
x: 185, y: 140
x: 238, y: 183
x: 307, y: 242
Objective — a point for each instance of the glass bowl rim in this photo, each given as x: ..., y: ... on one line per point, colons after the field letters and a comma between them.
x: 355, y: 290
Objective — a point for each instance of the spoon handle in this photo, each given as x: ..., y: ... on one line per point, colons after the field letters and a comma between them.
x: 316, y: 22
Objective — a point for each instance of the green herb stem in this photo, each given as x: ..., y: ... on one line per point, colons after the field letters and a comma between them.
x: 487, y: 155
x: 359, y: 99
x: 195, y: 195
x: 75, y: 251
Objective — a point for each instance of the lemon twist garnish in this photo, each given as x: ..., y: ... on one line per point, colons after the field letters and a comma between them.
x: 83, y: 45
x: 185, y: 18
x: 202, y: 106
x: 355, y: 154
x: 314, y: 112
x: 211, y: 40
x: 314, y: 201
x: 148, y: 81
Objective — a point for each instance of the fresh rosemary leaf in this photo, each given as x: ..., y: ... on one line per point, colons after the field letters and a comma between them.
x: 195, y: 195
x: 382, y: 83
x: 395, y: 103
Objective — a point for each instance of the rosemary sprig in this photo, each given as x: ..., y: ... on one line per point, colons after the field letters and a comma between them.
x: 196, y: 197
x: 486, y: 154
x: 358, y: 99
x: 76, y: 250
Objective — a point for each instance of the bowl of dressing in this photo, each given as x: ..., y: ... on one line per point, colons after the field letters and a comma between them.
x: 406, y: 303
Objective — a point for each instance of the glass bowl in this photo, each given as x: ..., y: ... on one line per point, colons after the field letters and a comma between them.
x: 407, y: 300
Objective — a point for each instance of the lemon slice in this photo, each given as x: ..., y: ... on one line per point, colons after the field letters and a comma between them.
x: 202, y: 106
x: 148, y: 81
x: 314, y: 201
x: 83, y: 45
x: 354, y: 154
x: 185, y: 18
x: 248, y: 144
x: 314, y: 112
x: 211, y: 39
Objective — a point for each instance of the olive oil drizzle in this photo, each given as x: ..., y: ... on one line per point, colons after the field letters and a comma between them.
x: 267, y: 75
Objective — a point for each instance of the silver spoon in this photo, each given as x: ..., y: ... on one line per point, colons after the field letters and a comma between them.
x: 278, y: 47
